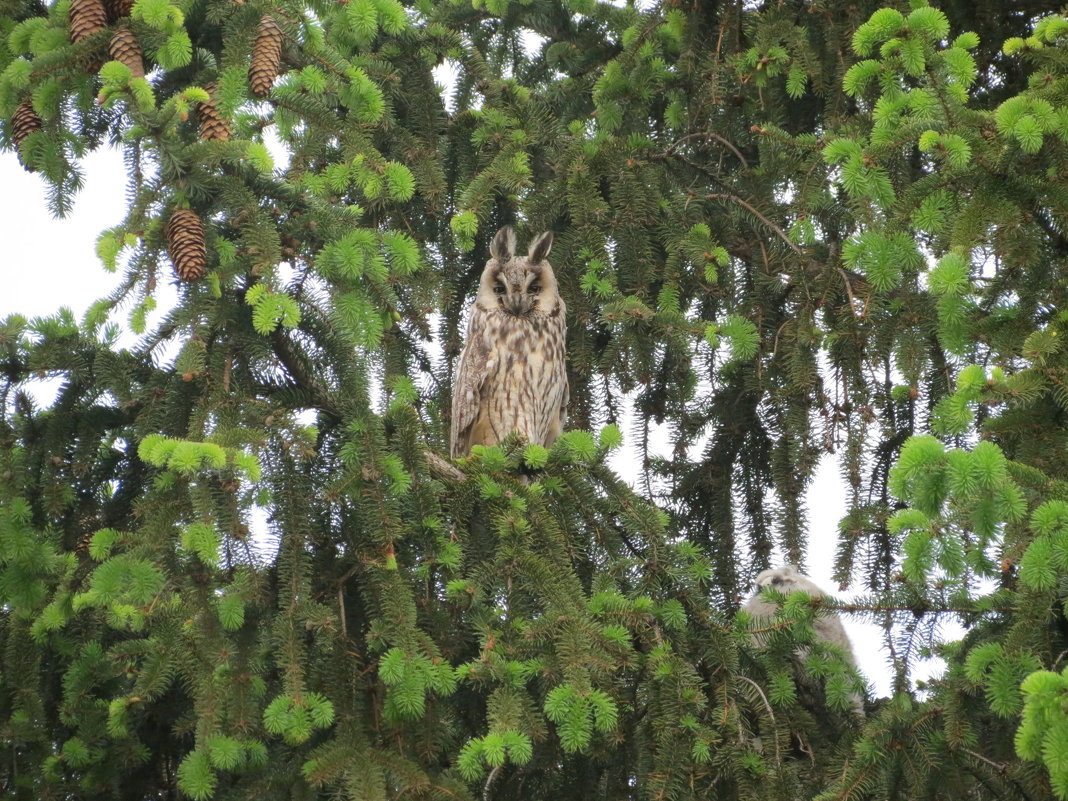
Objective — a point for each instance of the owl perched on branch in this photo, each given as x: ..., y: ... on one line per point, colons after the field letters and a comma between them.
x: 511, y: 376
x: 828, y: 626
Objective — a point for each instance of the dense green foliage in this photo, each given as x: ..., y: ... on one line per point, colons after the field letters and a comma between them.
x: 233, y: 563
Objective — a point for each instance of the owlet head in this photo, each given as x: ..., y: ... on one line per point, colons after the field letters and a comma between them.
x: 780, y: 578
x: 518, y: 285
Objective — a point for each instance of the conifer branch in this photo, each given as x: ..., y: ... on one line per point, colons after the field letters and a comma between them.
x: 752, y: 209
x: 1000, y: 767
x: 771, y: 714
x: 286, y: 354
x: 1057, y: 238
x: 849, y: 290
x: 672, y: 149
x: 441, y: 468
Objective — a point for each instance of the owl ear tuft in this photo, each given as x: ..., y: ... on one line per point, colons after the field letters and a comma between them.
x: 502, y: 247
x: 540, y: 247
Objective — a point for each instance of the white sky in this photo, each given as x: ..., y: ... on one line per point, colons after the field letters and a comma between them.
x: 48, y: 263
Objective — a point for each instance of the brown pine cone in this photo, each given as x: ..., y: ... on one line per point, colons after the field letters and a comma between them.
x: 185, y: 244
x: 266, y: 57
x: 212, y: 126
x: 23, y: 123
x: 117, y: 9
x: 86, y: 18
x: 124, y: 47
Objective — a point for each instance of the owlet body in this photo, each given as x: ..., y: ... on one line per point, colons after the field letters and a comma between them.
x: 786, y: 580
x: 511, y: 376
x: 828, y: 627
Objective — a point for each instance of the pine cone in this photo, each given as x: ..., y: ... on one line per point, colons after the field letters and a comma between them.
x: 23, y: 123
x: 86, y: 18
x: 117, y: 9
x: 212, y: 126
x: 185, y: 244
x: 124, y: 47
x: 266, y: 57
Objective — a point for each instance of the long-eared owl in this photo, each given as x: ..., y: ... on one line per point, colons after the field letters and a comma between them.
x: 511, y: 376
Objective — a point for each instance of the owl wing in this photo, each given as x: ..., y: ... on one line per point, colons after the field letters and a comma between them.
x: 565, y: 396
x: 559, y: 413
x: 467, y: 389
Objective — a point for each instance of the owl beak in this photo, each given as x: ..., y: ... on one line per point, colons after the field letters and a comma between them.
x: 518, y: 303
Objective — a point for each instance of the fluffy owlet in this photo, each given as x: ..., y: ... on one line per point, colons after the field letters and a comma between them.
x: 828, y: 627
x: 511, y: 375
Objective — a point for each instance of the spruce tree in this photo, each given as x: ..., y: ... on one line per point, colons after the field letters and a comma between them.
x: 234, y: 561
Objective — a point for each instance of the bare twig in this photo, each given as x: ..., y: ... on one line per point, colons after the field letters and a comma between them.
x: 341, y: 611
x: 440, y: 468
x: 674, y: 146
x: 771, y: 714
x: 752, y: 209
x: 729, y: 145
x: 849, y: 290
x: 489, y: 782
x: 998, y: 766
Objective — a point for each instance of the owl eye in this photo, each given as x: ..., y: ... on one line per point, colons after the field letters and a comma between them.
x: 534, y: 289
x: 776, y: 581
x: 498, y: 289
